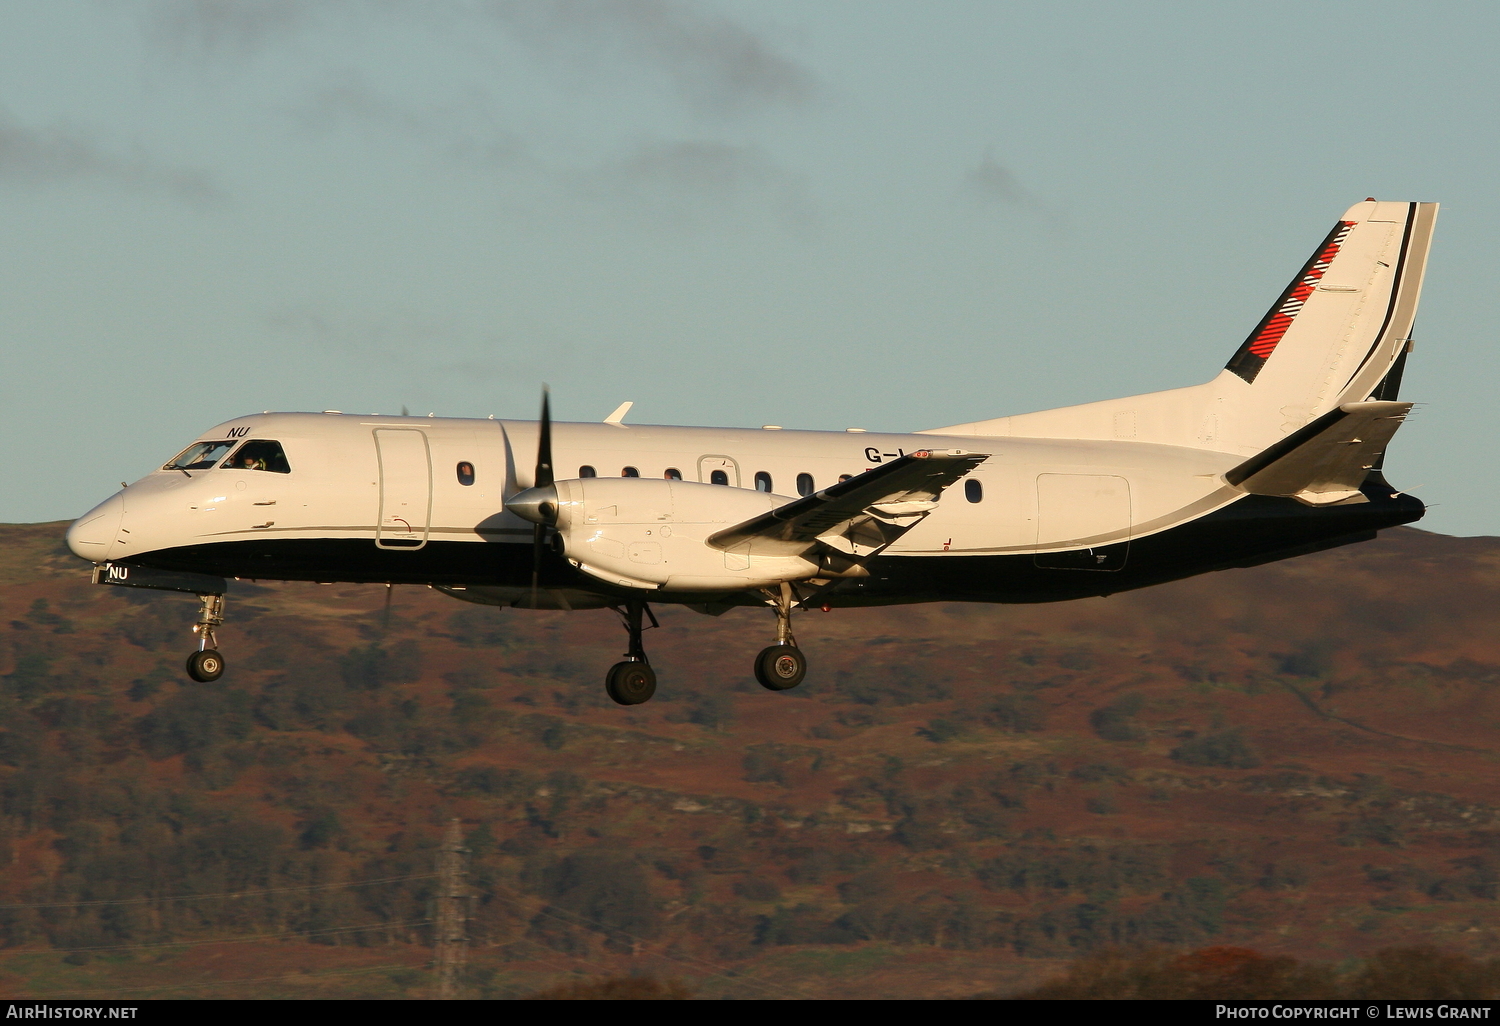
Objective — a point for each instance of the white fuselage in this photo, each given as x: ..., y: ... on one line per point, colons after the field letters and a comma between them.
x: 1032, y: 495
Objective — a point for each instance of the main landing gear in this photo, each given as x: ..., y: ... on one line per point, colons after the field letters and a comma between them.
x: 782, y: 666
x: 206, y: 664
x: 778, y: 668
x: 633, y: 681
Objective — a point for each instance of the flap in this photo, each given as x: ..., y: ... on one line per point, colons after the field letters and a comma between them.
x: 888, y: 500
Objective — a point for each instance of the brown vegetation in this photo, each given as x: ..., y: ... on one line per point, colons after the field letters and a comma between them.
x: 1299, y: 759
x: 1233, y: 974
x: 615, y: 988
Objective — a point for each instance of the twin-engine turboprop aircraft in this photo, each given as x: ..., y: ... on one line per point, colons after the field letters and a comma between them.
x: 1278, y: 455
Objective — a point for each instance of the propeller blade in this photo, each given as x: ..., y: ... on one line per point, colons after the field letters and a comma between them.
x: 544, y: 444
x: 543, y: 479
x: 537, y: 540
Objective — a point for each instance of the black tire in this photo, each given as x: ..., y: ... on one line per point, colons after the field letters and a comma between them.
x: 206, y: 666
x: 630, y: 683
x: 780, y: 667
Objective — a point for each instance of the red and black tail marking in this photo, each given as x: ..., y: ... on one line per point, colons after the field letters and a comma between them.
x: 1252, y: 356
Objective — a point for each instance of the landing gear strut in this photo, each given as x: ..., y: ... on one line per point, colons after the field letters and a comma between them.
x: 782, y: 666
x: 207, y: 664
x: 633, y: 681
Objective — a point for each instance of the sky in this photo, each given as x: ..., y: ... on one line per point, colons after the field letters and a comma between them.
x: 820, y: 214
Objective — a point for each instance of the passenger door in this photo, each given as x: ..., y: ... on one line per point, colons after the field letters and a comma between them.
x: 405, y: 488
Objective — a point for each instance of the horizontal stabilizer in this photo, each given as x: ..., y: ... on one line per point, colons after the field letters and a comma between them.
x: 857, y: 517
x: 1324, y: 462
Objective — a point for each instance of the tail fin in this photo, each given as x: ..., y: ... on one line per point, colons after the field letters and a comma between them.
x: 1333, y: 336
x: 1257, y: 349
x: 1341, y: 324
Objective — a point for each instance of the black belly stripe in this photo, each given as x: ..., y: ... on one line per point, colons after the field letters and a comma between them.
x: 1252, y: 530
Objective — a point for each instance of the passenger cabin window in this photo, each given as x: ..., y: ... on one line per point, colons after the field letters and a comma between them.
x: 718, y: 477
x: 466, y: 473
x: 762, y: 481
x: 973, y: 490
x: 259, y: 454
x: 629, y: 472
x: 845, y: 477
x: 200, y: 456
x: 673, y: 474
x: 805, y: 484
x: 587, y: 471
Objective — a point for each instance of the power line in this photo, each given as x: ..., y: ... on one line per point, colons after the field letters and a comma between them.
x: 221, y: 894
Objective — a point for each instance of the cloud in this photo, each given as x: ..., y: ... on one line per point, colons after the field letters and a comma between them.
x: 992, y: 182
x: 671, y: 180
x: 703, y: 167
x: 991, y: 186
x: 717, y: 65
x: 697, y: 178
x: 713, y: 64
x: 242, y: 25
x: 414, y: 346
x: 466, y: 131
x: 56, y: 154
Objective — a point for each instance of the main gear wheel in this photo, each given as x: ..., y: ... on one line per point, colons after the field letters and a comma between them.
x: 780, y: 667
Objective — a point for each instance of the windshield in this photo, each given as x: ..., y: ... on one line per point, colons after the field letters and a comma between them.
x: 259, y: 454
x: 200, y: 455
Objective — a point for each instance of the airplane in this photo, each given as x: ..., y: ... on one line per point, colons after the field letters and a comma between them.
x: 1278, y: 455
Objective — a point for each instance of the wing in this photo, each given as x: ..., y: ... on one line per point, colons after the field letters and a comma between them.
x: 1325, y: 462
x: 857, y: 517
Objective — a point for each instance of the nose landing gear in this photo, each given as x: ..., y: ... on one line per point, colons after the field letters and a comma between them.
x: 782, y: 666
x: 633, y: 681
x: 207, y: 665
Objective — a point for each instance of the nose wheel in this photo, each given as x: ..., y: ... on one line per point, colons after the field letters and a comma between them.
x: 633, y: 681
x: 207, y: 665
x: 782, y: 666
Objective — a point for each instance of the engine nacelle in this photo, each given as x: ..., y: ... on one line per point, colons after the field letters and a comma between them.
x: 647, y: 533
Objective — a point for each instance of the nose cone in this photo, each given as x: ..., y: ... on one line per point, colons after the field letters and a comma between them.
x: 92, y: 534
x: 539, y: 505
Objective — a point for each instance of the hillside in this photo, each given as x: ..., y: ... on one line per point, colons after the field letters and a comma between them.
x: 1301, y: 758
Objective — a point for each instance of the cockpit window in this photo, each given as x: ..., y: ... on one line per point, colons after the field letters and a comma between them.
x: 259, y: 454
x: 200, y: 455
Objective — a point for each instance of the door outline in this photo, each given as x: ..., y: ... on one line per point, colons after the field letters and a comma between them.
x: 1110, y: 557
x: 703, y: 471
x: 402, y: 544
